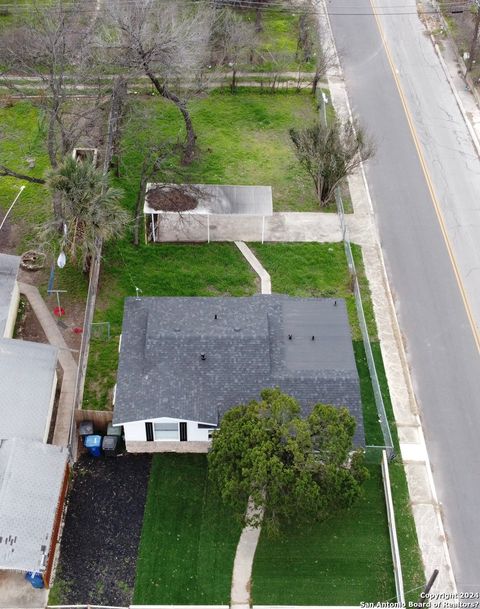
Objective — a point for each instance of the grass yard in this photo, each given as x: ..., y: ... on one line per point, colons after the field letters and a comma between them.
x: 278, y: 43
x: 215, y: 269
x: 347, y: 559
x: 342, y: 561
x: 189, y: 537
x: 242, y: 139
x: 23, y: 137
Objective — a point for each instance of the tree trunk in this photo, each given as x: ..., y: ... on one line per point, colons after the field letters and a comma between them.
x: 191, y: 138
x: 139, y: 206
x: 57, y: 207
x: 5, y: 171
x: 316, y: 80
x: 233, y: 86
x: 258, y: 20
x: 473, y: 45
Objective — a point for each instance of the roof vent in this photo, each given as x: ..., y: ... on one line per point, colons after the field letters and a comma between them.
x: 237, y: 329
x: 203, y: 356
x: 313, y: 337
x: 215, y: 316
x: 290, y: 336
x: 177, y: 329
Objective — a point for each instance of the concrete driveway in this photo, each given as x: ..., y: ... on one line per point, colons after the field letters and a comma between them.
x: 15, y: 592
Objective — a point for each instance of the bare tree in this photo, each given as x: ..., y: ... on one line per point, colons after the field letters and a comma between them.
x: 330, y: 153
x: 233, y: 41
x: 165, y: 41
x: 50, y: 52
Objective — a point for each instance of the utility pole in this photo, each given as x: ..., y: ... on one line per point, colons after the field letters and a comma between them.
x: 473, y: 45
x: 424, y: 596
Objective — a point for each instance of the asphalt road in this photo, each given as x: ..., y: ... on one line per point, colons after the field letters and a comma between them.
x: 440, y: 342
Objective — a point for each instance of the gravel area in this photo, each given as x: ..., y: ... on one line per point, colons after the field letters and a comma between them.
x: 99, y: 546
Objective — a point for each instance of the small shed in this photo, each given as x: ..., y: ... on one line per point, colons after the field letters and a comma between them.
x: 28, y: 381
x: 9, y: 293
x: 191, y: 209
x: 33, y: 481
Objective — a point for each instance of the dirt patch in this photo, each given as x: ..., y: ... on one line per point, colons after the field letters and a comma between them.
x: 9, y: 236
x: 99, y: 546
x: 170, y: 199
x: 27, y: 326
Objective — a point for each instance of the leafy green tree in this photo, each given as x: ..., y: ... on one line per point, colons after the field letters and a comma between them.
x: 90, y: 212
x: 330, y: 153
x: 292, y: 468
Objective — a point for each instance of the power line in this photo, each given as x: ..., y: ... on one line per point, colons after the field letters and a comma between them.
x: 264, y: 7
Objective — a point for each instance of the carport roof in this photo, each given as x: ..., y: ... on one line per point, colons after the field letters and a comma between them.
x: 8, y: 276
x: 27, y: 376
x: 31, y: 477
x: 222, y: 199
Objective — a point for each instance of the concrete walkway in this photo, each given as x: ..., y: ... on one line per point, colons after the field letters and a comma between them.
x: 265, y: 282
x: 242, y: 566
x: 65, y: 358
x: 247, y: 544
x: 362, y: 230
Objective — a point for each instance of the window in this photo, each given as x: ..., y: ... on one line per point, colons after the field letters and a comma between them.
x: 166, y: 431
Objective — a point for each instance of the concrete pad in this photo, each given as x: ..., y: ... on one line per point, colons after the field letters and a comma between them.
x: 15, y: 592
x: 408, y: 434
x: 418, y: 483
x: 413, y: 452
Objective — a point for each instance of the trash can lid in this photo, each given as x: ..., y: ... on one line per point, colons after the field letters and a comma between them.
x: 110, y: 442
x: 114, y: 430
x: 85, y: 428
x: 93, y: 441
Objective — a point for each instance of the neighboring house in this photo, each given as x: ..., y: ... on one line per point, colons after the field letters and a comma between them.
x: 9, y: 294
x: 33, y: 474
x: 200, y: 212
x: 185, y: 361
x: 33, y: 483
x: 28, y: 381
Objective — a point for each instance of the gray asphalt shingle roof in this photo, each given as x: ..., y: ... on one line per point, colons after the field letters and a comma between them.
x: 8, y: 275
x: 27, y: 374
x: 247, y: 347
x: 31, y: 476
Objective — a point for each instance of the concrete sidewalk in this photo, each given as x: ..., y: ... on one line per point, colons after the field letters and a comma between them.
x: 362, y: 230
x: 65, y: 358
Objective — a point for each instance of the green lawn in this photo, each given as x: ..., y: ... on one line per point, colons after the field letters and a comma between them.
x: 347, y: 559
x: 189, y: 537
x: 242, y: 139
x: 342, y: 561
x: 23, y: 137
x: 277, y: 50
x: 215, y: 269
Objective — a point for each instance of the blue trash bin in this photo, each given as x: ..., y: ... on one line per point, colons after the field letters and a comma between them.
x: 35, y: 578
x: 93, y: 444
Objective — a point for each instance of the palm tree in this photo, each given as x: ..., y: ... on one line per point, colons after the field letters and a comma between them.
x: 90, y: 211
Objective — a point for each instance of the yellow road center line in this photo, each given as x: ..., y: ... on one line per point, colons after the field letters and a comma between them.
x: 428, y: 179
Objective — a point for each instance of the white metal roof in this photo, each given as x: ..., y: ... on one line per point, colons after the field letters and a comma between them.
x: 8, y: 276
x: 27, y: 375
x: 31, y: 475
x: 224, y: 199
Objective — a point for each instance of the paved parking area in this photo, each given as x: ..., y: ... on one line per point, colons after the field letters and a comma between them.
x: 15, y: 591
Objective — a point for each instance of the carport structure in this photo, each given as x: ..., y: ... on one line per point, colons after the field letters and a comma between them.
x: 204, y: 212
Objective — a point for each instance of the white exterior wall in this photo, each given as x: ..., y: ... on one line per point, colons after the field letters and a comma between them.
x: 135, y: 431
x: 50, y: 409
x: 12, y: 312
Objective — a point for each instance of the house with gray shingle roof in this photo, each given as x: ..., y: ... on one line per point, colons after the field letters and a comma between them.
x: 185, y: 361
